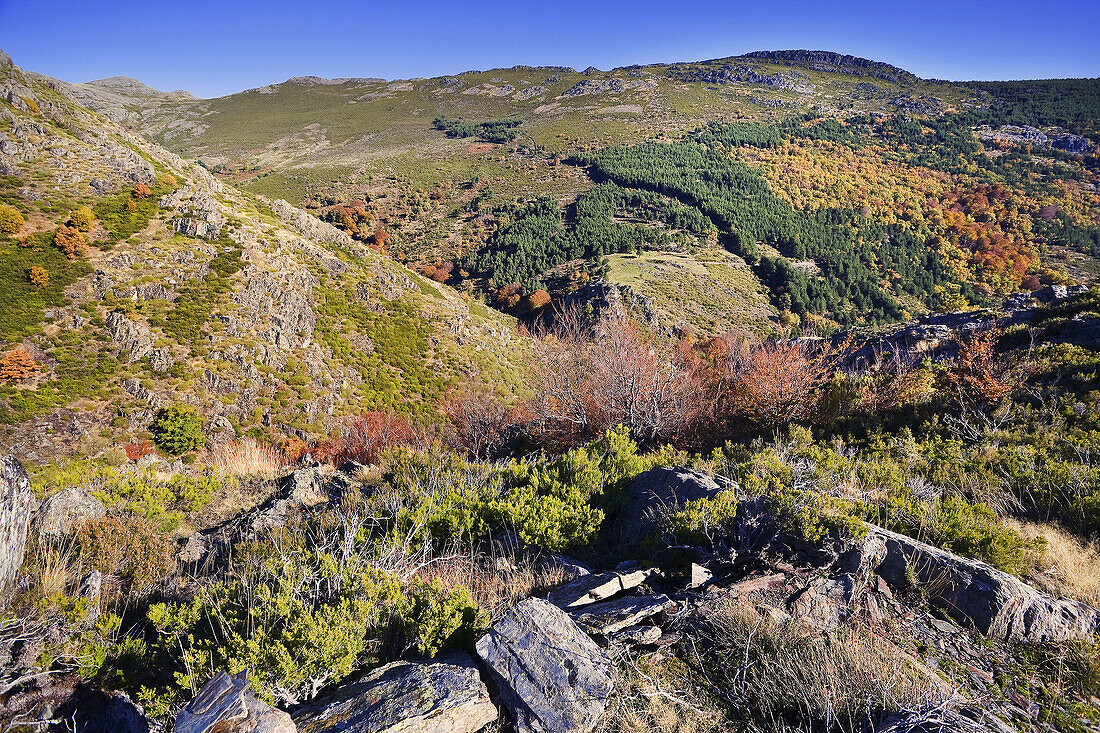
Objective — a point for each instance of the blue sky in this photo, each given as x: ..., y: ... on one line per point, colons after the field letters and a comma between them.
x: 215, y: 47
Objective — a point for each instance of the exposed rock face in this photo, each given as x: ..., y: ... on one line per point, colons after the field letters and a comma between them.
x: 17, y: 503
x: 552, y: 677
x: 446, y: 696
x: 839, y: 63
x: 65, y: 509
x: 983, y: 598
x: 225, y: 705
x: 659, y: 490
x: 130, y: 335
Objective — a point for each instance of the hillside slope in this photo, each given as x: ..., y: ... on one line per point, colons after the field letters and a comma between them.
x: 188, y: 290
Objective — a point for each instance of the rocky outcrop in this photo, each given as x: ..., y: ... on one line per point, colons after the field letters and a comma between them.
x: 445, y: 696
x: 831, y: 61
x: 551, y: 676
x: 226, y: 705
x: 983, y: 598
x: 604, y: 619
x: 130, y: 335
x: 657, y: 491
x: 17, y: 504
x: 66, y: 509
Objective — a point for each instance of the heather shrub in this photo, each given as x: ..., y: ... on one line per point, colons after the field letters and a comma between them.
x: 130, y: 547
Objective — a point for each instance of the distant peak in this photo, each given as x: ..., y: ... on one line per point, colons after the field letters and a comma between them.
x: 127, y: 85
x: 837, y: 62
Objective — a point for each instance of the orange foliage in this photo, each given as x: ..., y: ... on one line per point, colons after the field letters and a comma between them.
x: 136, y: 451
x: 39, y: 276
x: 70, y: 241
x: 777, y: 381
x: 17, y: 365
x: 141, y: 191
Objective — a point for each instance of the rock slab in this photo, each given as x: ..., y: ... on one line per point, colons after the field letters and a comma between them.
x: 551, y: 675
x: 17, y: 504
x: 225, y: 705
x: 981, y: 597
x: 446, y: 696
x: 64, y: 510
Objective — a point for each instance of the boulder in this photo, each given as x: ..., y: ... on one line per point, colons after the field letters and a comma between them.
x: 17, y: 504
x: 445, y: 696
x: 936, y: 719
x: 825, y: 603
x: 611, y: 616
x: 98, y: 711
x: 598, y: 587
x: 983, y: 598
x: 64, y: 510
x: 551, y: 675
x: 226, y: 705
x: 660, y: 490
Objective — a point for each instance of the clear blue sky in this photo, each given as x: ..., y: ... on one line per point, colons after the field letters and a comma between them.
x: 215, y: 47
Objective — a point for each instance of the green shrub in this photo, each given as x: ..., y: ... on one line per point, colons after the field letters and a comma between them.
x: 177, y: 429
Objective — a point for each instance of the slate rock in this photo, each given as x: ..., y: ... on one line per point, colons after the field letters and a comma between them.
x: 226, y: 705
x: 659, y: 490
x: 64, y: 510
x: 552, y: 677
x: 591, y: 588
x: 445, y: 696
x: 611, y: 616
x: 17, y: 504
x: 979, y: 596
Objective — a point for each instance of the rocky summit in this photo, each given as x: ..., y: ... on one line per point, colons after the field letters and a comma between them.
x: 759, y: 393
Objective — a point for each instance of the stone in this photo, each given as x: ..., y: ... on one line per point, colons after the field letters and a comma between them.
x: 60, y: 513
x: 636, y: 635
x: 937, y: 720
x: 698, y: 576
x: 17, y: 504
x: 305, y: 487
x: 130, y: 335
x: 445, y: 696
x: 598, y: 587
x: 90, y: 710
x: 551, y: 675
x: 226, y: 705
x: 978, y: 596
x: 825, y: 603
x: 657, y: 491
x: 611, y: 616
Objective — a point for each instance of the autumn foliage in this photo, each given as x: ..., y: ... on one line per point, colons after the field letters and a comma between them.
x: 39, y: 277
x: 11, y: 221
x: 365, y: 437
x: 142, y: 191
x: 70, y: 241
x: 17, y: 365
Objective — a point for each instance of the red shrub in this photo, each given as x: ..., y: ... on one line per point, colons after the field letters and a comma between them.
x: 135, y: 451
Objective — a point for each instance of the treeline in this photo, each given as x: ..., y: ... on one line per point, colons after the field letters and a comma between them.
x: 494, y: 131
x: 534, y: 238
x: 1070, y: 103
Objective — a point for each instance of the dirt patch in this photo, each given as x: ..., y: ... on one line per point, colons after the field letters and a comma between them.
x: 480, y: 148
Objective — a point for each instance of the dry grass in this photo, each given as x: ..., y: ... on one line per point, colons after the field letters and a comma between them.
x: 56, y: 572
x: 1067, y: 567
x: 655, y: 693
x: 790, y: 681
x: 243, y: 458
x: 495, y: 583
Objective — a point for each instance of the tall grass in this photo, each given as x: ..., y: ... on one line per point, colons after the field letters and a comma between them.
x: 243, y: 458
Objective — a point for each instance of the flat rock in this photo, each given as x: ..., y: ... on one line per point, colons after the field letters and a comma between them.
x: 610, y: 616
x: 551, y: 675
x: 226, y: 705
x: 598, y: 587
x: 636, y: 635
x: 446, y: 696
